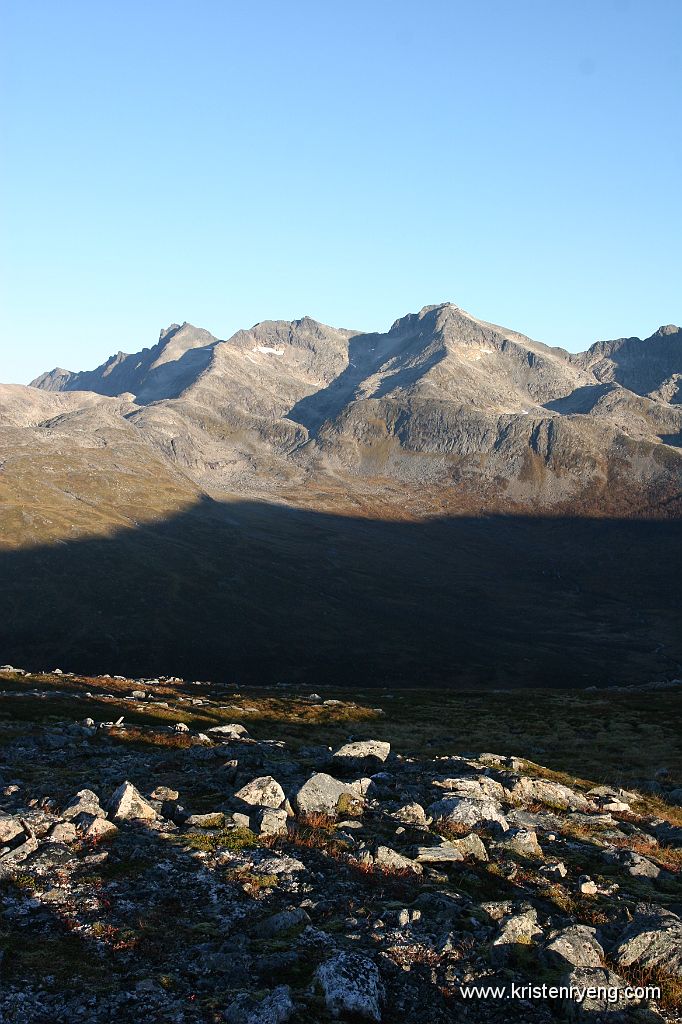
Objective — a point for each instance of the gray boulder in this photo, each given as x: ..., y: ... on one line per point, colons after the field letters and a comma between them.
x: 552, y: 794
x: 456, y: 810
x: 323, y: 794
x: 128, y: 804
x: 362, y: 755
x: 351, y: 985
x: 653, y: 939
x: 520, y: 929
x: 262, y: 792
x: 576, y: 946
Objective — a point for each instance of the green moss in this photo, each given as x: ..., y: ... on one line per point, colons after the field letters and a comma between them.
x: 234, y: 839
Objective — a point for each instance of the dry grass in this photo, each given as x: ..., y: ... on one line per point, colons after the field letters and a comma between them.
x: 669, y: 984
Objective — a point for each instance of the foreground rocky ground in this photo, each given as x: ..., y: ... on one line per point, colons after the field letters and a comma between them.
x: 171, y: 853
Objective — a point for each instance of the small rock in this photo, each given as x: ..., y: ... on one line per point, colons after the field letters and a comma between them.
x: 63, y: 832
x: 390, y: 860
x: 84, y: 802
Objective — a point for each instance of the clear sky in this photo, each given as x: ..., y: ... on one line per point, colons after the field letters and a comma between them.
x: 228, y: 162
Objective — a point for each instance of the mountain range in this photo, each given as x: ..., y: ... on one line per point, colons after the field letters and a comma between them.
x: 481, y: 415
x: 447, y: 501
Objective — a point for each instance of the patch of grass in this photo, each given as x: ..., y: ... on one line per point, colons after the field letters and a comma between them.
x: 233, y: 839
x: 251, y: 882
x: 65, y: 958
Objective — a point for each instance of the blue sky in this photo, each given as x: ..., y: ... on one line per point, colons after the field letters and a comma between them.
x: 225, y: 163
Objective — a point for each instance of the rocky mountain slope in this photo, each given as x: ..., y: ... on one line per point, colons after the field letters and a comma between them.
x: 487, y: 418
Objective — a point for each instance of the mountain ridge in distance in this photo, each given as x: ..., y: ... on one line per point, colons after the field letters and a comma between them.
x: 486, y: 418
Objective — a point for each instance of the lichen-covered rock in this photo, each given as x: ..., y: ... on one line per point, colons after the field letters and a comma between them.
x: 323, y: 794
x: 411, y: 814
x: 391, y: 860
x: 262, y: 792
x: 576, y: 946
x: 653, y: 939
x: 521, y: 929
x: 552, y: 794
x: 276, y: 1007
x: 128, y: 804
x: 351, y: 985
x: 456, y: 810
x: 522, y: 841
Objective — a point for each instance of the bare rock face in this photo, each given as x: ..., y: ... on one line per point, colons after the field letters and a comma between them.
x: 127, y: 804
x: 351, y: 986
